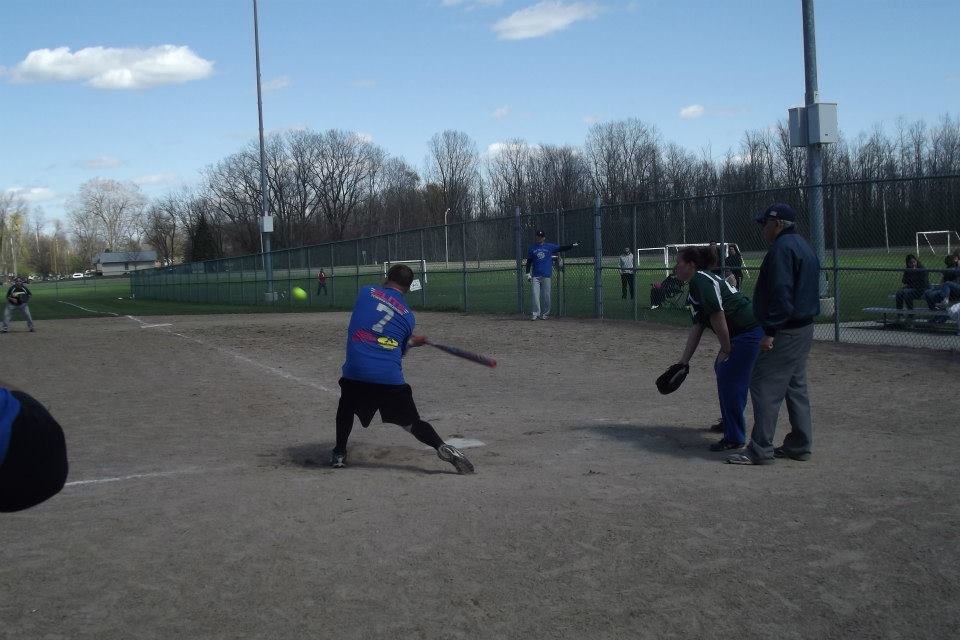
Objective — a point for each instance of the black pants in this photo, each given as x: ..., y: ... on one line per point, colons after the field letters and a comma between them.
x: 626, y: 282
x: 35, y: 467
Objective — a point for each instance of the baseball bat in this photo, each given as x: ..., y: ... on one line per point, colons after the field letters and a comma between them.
x: 462, y: 353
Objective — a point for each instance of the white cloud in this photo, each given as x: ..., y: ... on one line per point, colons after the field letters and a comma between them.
x: 111, y: 68
x: 364, y: 136
x: 363, y: 83
x: 100, y: 162
x: 501, y: 112
x: 692, y: 112
x: 497, y: 147
x: 32, y: 194
x: 155, y: 179
x: 543, y: 19
x: 591, y: 119
x: 280, y: 82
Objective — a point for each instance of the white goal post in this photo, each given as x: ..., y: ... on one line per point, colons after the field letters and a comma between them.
x: 950, y: 240
x: 420, y: 263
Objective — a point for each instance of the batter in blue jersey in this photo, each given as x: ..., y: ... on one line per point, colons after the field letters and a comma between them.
x: 380, y: 331
x: 540, y: 260
x: 33, y: 452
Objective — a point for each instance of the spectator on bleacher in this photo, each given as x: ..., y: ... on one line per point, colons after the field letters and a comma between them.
x: 914, y: 282
x: 938, y: 297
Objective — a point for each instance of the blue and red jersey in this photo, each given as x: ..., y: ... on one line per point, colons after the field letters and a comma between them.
x: 380, y: 327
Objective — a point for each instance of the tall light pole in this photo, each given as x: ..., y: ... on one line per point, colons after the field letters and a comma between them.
x: 446, y: 247
x: 814, y: 148
x: 266, y: 221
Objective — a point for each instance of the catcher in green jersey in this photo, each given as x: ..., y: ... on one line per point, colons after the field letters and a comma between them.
x: 720, y: 307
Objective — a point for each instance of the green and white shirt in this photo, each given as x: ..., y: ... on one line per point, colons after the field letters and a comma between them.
x: 709, y: 293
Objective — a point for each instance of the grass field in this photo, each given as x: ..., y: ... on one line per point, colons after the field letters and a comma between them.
x: 863, y: 283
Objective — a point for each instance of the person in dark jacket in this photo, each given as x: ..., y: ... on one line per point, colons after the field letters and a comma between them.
x: 785, y: 302
x: 734, y: 265
x: 949, y: 287
x: 914, y: 281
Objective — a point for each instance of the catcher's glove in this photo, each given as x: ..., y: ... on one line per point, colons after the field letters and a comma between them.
x: 672, y: 378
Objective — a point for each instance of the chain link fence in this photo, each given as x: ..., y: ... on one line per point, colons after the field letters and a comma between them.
x: 626, y: 251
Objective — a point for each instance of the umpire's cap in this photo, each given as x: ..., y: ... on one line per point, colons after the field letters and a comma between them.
x: 777, y: 211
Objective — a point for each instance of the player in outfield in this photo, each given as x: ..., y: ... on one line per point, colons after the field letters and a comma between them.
x: 720, y: 307
x: 540, y: 259
x: 785, y: 302
x: 17, y: 298
x: 380, y: 331
x: 33, y: 451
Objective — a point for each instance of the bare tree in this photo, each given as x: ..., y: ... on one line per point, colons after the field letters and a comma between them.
x: 346, y: 168
x: 624, y: 159
x: 454, y: 162
x: 106, y: 214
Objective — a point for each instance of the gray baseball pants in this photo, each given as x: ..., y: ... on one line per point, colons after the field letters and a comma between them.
x: 8, y: 311
x: 781, y: 374
x: 540, y: 285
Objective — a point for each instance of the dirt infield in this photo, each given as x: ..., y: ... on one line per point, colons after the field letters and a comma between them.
x: 200, y: 504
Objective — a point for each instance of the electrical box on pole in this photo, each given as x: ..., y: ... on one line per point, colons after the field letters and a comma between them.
x: 814, y: 124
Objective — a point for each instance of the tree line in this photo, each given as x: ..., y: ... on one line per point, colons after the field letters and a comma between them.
x: 334, y: 185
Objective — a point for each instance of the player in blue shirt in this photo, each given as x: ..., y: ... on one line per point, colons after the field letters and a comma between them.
x: 33, y: 452
x: 380, y: 331
x: 540, y: 259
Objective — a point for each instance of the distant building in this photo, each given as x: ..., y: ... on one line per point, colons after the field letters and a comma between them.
x: 118, y: 263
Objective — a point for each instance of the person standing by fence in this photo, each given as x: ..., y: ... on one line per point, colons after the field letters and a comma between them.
x: 626, y: 273
x: 540, y: 259
x: 321, y: 282
x: 785, y: 302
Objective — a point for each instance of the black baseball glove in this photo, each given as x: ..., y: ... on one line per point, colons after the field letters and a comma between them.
x: 672, y: 378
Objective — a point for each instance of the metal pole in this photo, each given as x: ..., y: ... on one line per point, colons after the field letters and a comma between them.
x: 836, y: 269
x: 357, y: 260
x: 265, y: 227
x: 423, y: 290
x: 723, y: 249
x: 597, y: 261
x: 560, y: 276
x: 446, y: 243
x: 463, y: 248
x: 516, y: 236
x: 814, y: 151
x: 683, y: 212
x: 633, y: 250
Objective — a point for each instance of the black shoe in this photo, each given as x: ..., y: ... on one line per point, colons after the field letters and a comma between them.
x: 780, y: 452
x: 339, y: 459
x: 726, y: 445
x: 716, y: 428
x: 454, y: 456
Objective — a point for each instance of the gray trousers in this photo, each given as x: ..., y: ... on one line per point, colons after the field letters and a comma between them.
x: 781, y: 374
x: 540, y: 286
x: 8, y: 311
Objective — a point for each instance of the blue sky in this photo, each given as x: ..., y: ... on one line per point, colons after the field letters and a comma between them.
x: 155, y: 91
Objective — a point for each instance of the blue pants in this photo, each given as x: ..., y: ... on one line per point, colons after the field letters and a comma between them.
x: 941, y: 293
x: 733, y: 381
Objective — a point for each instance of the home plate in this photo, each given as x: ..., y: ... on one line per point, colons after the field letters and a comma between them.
x: 464, y: 443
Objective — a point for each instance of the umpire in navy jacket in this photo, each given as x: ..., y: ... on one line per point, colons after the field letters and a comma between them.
x: 785, y: 302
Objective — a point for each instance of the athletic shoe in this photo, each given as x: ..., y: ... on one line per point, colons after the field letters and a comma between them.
x: 454, y: 456
x: 32, y: 330
x: 780, y: 452
x: 534, y: 317
x: 544, y: 317
x: 3, y: 330
x: 726, y: 445
x: 339, y: 460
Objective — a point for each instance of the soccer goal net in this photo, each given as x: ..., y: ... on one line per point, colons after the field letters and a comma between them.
x: 671, y: 250
x: 937, y: 242
x: 419, y: 268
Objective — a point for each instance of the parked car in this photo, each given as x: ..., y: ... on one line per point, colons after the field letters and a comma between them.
x: 78, y: 276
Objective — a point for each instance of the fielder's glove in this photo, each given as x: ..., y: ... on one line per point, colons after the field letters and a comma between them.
x: 672, y: 378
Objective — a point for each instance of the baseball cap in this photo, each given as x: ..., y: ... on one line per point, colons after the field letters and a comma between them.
x: 540, y: 234
x: 777, y: 211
